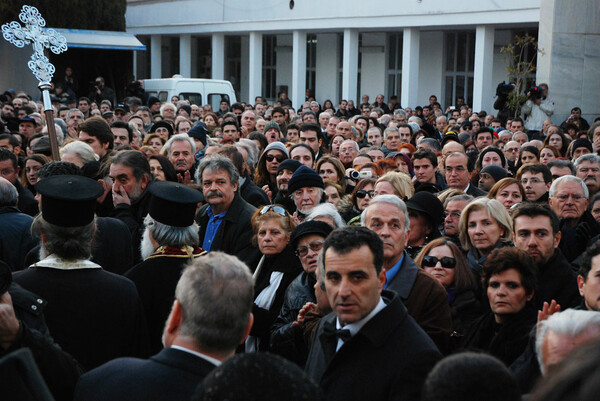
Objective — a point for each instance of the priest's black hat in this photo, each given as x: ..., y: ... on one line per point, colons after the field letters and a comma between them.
x: 173, y: 204
x: 69, y: 200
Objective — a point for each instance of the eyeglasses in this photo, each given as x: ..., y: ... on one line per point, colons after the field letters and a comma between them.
x: 361, y: 193
x: 314, y: 246
x: 447, y: 262
x: 532, y: 181
x: 279, y: 158
x: 276, y: 209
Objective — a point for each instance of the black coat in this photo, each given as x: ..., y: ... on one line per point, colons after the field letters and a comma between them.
x: 171, y: 374
x: 155, y: 279
x: 15, y: 237
x: 388, y: 359
x: 465, y: 310
x: 133, y: 216
x: 475, y: 192
x: 574, y: 241
x: 58, y: 369
x: 234, y: 235
x: 286, y: 339
x: 287, y: 263
x: 557, y: 280
x: 26, y: 203
x: 94, y: 315
x: 252, y: 194
x: 504, y: 341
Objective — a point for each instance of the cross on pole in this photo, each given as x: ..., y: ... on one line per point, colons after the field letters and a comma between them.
x: 34, y: 34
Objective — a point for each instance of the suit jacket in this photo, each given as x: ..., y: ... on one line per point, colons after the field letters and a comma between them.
x: 426, y: 301
x: 234, y: 235
x: 475, y: 192
x: 171, y: 374
x: 388, y: 359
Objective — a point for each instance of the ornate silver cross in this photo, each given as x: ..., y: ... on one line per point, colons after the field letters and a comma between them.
x: 33, y: 34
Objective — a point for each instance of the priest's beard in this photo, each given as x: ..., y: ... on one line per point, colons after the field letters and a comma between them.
x: 43, y: 252
x: 146, y: 247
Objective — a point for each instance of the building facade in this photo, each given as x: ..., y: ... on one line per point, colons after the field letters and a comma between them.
x: 342, y: 50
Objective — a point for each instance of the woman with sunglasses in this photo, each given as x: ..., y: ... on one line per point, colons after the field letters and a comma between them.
x: 266, y: 168
x: 277, y: 268
x: 286, y: 337
x: 444, y: 260
x: 361, y: 196
x: 509, y: 279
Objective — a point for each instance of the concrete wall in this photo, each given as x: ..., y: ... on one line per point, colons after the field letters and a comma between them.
x: 570, y: 64
x: 326, y: 67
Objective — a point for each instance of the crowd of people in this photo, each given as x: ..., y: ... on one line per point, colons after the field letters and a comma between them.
x: 350, y: 253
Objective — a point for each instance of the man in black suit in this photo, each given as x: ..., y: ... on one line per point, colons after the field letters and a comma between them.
x: 211, y: 316
x: 458, y: 174
x: 225, y: 219
x: 369, y: 335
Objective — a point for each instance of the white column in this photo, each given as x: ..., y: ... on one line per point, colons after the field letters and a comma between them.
x: 185, y: 52
x: 326, y: 67
x: 218, y: 56
x: 298, y: 68
x: 350, y: 65
x: 255, y: 66
x: 155, y: 56
x: 483, y: 87
x: 410, y: 67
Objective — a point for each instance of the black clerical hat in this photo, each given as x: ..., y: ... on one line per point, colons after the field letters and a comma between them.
x: 69, y: 200
x: 173, y: 204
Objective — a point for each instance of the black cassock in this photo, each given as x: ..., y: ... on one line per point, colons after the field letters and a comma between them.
x: 92, y: 314
x: 156, y: 279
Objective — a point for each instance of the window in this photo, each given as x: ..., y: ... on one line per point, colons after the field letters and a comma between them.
x: 215, y: 99
x: 394, y: 68
x: 194, y: 98
x: 460, y: 66
x: 269, y: 67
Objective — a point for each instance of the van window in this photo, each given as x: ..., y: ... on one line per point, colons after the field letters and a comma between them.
x: 193, y: 98
x: 215, y: 99
x: 162, y: 96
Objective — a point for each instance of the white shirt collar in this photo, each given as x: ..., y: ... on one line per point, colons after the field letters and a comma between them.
x: 54, y: 262
x: 356, y: 326
x: 212, y: 360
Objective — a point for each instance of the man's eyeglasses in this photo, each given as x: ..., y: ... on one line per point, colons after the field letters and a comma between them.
x: 314, y: 246
x: 447, y: 262
x: 564, y: 197
x: 279, y: 158
x: 276, y: 209
x: 532, y: 181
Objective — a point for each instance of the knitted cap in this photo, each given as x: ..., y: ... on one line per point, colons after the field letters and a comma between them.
x: 305, y: 177
x: 495, y: 171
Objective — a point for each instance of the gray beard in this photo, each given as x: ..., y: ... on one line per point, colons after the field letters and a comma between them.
x: 43, y: 252
x: 146, y: 247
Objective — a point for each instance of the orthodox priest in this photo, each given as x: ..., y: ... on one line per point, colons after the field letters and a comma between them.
x: 92, y: 314
x: 169, y: 242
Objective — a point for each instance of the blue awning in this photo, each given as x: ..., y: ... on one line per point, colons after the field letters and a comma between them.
x: 80, y: 38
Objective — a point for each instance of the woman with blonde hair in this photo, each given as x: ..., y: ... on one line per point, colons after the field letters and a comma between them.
x: 395, y: 183
x: 484, y: 226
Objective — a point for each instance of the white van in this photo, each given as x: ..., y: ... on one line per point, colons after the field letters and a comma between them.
x: 196, y: 90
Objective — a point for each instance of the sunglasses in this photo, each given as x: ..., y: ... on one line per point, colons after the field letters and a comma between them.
x: 279, y: 158
x: 314, y: 246
x: 361, y: 193
x: 432, y: 261
x: 276, y: 209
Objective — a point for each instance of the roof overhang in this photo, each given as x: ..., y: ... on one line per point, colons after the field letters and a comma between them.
x: 106, y: 40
